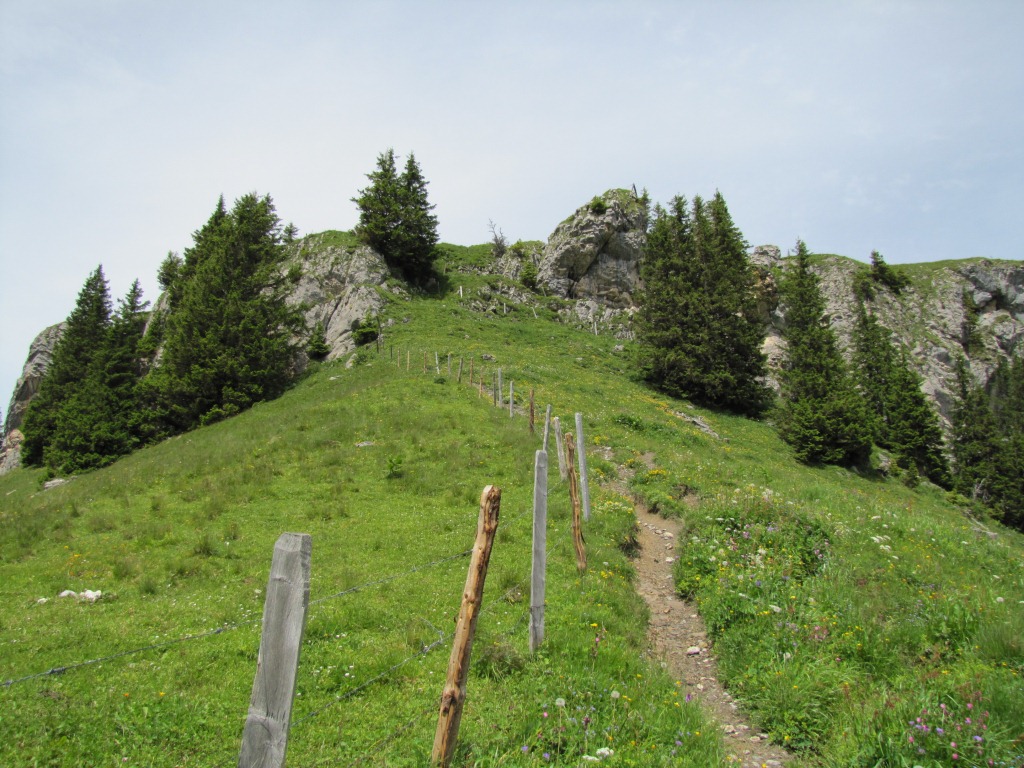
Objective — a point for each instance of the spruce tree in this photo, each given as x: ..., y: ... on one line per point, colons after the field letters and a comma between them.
x: 903, y: 420
x: 821, y: 414
x: 975, y: 439
x: 100, y: 421
x: 83, y: 335
x: 697, y: 327
x: 395, y: 217
x: 229, y: 332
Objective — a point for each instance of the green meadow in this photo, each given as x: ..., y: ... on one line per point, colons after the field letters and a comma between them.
x: 861, y: 622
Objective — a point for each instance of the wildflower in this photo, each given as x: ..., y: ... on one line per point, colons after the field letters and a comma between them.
x: 615, y: 694
x: 560, y: 702
x: 525, y: 749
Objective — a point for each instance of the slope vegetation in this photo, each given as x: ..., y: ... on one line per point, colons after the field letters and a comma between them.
x: 842, y: 607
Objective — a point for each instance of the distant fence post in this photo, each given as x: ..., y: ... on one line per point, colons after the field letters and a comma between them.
x: 581, y: 449
x: 437, y: 364
x: 560, y: 447
x: 460, y: 371
x: 265, y: 736
x: 539, y: 566
x: 454, y: 694
x: 449, y: 365
x: 574, y: 495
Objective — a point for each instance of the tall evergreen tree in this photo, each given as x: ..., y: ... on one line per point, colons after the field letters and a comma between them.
x: 975, y: 440
x: 697, y: 327
x: 395, y: 217
x: 83, y: 335
x: 101, y: 421
x: 229, y: 333
x: 821, y: 414
x: 903, y: 420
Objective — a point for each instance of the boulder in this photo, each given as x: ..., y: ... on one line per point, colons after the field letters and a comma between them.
x: 595, y: 253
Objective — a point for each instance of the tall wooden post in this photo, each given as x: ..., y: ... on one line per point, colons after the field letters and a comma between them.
x: 460, y: 371
x: 539, y: 566
x: 454, y: 695
x: 574, y: 495
x: 471, y: 372
x: 560, y: 446
x: 437, y: 364
x: 581, y: 448
x: 449, y: 365
x: 547, y: 427
x: 265, y: 736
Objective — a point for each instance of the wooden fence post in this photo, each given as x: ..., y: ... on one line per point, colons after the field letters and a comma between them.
x: 265, y: 736
x: 574, y: 495
x: 581, y: 448
x: 437, y: 364
x: 471, y: 372
x: 560, y: 447
x: 460, y: 371
x: 449, y: 365
x: 547, y: 427
x: 539, y: 566
x: 454, y: 695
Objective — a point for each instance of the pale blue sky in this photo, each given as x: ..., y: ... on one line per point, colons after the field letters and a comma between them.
x: 894, y: 126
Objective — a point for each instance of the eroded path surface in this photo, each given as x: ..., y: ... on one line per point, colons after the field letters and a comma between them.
x: 678, y: 639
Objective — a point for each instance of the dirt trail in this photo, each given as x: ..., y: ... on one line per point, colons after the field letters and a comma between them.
x: 678, y: 639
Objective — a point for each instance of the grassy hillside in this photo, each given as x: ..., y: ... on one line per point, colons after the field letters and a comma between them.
x: 843, y: 607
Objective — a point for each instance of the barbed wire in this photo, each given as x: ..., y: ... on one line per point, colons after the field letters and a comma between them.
x: 363, y: 686
x: 121, y: 654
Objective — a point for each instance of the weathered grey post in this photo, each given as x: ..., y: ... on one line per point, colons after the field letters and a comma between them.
x: 581, y: 449
x: 560, y: 447
x: 547, y: 427
x: 494, y: 388
x: 460, y: 371
x: 449, y: 365
x: 540, y: 527
x: 265, y: 736
x: 454, y: 695
x: 511, y: 399
x: 437, y: 364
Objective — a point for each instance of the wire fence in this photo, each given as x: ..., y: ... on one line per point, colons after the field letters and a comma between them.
x: 442, y: 638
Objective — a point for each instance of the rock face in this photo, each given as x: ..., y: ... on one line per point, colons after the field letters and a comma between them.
x: 931, y: 317
x: 340, y: 287
x: 595, y: 253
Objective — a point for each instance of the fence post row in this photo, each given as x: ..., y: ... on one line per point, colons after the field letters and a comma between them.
x: 539, y: 564
x: 265, y: 736
x: 458, y: 665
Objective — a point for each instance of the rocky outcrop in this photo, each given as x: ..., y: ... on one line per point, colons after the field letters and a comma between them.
x: 40, y: 352
x: 340, y: 286
x: 595, y: 253
x: 933, y: 317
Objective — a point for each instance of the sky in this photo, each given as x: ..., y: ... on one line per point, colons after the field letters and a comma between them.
x: 854, y: 126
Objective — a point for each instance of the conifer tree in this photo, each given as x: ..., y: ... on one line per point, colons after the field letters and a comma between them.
x: 228, y: 334
x: 395, y: 217
x: 821, y: 414
x: 100, y: 422
x: 903, y: 420
x: 697, y: 327
x: 975, y: 441
x: 82, y: 337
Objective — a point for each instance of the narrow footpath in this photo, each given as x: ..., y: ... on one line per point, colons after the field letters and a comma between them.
x: 678, y: 639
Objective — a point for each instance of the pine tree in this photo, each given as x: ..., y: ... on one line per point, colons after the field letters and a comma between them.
x: 83, y: 335
x: 100, y: 421
x: 697, y: 327
x: 821, y: 415
x: 229, y: 332
x: 395, y: 217
x: 975, y: 441
x: 903, y: 420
